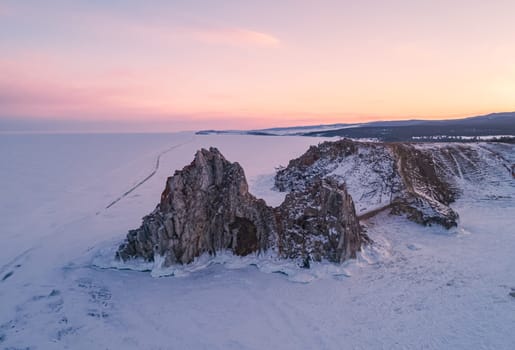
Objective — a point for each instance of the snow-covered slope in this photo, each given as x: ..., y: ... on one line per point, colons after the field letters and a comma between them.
x: 368, y: 170
x: 418, y: 288
x: 418, y: 179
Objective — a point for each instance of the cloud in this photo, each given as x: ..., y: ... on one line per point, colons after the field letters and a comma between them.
x: 235, y: 37
x: 28, y: 98
x: 166, y: 32
x: 38, y: 85
x: 146, y: 28
x: 219, y: 36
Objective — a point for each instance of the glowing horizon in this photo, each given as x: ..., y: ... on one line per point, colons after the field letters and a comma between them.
x: 205, y: 64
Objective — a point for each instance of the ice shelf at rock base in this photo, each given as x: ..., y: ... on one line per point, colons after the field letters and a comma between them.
x: 416, y: 179
x: 206, y: 208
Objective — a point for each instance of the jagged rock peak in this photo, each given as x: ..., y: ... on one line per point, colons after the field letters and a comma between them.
x: 318, y: 223
x: 205, y: 208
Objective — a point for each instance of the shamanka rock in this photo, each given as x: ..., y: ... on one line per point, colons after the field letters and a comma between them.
x: 205, y: 208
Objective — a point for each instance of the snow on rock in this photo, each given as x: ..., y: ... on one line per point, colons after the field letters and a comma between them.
x: 368, y: 170
x: 207, y: 208
x: 319, y: 223
x: 479, y: 170
x: 418, y: 180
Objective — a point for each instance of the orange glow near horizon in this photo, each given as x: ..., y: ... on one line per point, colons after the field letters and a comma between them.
x: 255, y: 66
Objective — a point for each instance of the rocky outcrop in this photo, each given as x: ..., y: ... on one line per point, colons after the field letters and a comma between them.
x: 205, y: 208
x: 427, y: 194
x: 419, y: 180
x: 379, y: 176
x: 318, y: 223
x: 315, y: 162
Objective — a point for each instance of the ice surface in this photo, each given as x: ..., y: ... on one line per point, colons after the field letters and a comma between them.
x: 417, y: 288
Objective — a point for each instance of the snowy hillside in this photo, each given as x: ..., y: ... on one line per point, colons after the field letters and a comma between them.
x: 419, y: 179
x: 68, y: 200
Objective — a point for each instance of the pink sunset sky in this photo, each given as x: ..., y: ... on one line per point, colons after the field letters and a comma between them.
x: 198, y: 64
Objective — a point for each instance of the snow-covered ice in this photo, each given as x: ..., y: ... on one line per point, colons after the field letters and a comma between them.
x: 417, y: 288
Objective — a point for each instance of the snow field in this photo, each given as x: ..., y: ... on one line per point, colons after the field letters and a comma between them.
x: 417, y: 288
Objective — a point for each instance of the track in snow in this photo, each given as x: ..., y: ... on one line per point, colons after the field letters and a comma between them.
x: 149, y: 176
x: 8, y: 269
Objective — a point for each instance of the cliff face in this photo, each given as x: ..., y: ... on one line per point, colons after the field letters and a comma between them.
x: 206, y: 208
x: 427, y: 192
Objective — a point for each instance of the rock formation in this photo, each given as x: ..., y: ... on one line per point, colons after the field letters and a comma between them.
x: 419, y: 180
x: 206, y: 208
x: 378, y: 176
x: 318, y: 223
x: 427, y: 195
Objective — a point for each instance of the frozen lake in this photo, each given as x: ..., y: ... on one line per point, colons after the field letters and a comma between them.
x: 421, y: 288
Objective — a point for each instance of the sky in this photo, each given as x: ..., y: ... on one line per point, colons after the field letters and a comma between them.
x: 128, y: 65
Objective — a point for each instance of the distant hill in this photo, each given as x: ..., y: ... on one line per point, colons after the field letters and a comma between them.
x: 485, y: 127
